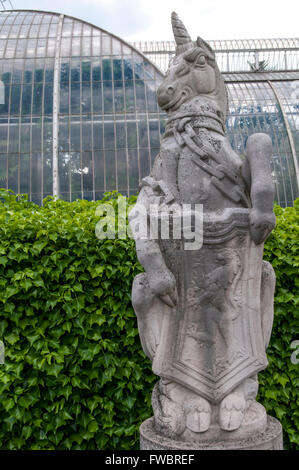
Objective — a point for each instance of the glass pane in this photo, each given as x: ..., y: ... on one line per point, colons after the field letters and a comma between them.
x: 86, y: 134
x: 76, y: 46
x: 120, y: 135
x: 37, y: 98
x: 39, y: 74
x: 110, y: 170
x: 24, y: 173
x: 106, y: 44
x: 10, y: 48
x: 77, y: 31
x: 15, y: 99
x: 75, y: 136
x: 117, y: 69
x: 109, y: 135
x: 26, y: 99
x: 128, y: 68
x: 107, y: 70
x: 3, y: 169
x: 133, y: 171
x: 64, y: 72
x: 47, y: 175
x: 75, y: 97
x: 130, y: 101
x: 151, y: 96
x: 119, y: 99
x: 87, y: 170
x: 36, y: 173
x: 85, y: 71
x: 17, y: 76
x: 86, y: 98
x: 154, y: 134
x: 51, y: 48
x: 48, y: 136
x: 14, y: 136
x: 96, y: 46
x: 97, y: 97
x: 63, y: 134
x: 108, y: 97
x: 64, y: 98
x: 65, y: 47
x: 86, y: 46
x: 132, y: 135
x: 64, y: 168
x: 122, y: 171
x: 67, y: 29
x: 99, y: 170
x: 48, y: 99
x: 36, y: 142
x: 143, y: 133
x: 140, y: 97
x: 145, y: 162
x: 49, y: 70
x: 3, y: 137
x: 41, y: 48
x: 76, y: 175
x: 97, y: 134
x: 31, y: 47
x: 75, y: 71
x: 96, y: 70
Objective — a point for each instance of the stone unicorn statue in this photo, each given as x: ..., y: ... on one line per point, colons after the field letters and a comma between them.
x: 205, y: 316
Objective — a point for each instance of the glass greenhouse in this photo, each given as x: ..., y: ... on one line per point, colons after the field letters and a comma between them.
x: 79, y: 116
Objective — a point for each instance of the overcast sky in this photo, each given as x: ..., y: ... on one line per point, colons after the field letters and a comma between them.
x: 135, y: 20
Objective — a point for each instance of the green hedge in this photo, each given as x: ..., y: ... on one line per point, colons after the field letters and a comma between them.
x: 75, y: 376
x: 279, y: 383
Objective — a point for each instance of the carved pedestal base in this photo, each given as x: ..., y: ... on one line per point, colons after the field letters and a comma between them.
x: 270, y: 439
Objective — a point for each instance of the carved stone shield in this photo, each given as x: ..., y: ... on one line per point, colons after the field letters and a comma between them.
x: 213, y: 339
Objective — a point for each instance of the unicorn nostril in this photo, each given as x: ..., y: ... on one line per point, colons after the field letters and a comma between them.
x: 170, y: 90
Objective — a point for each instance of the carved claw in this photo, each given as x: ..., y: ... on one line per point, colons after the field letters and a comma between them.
x: 232, y: 410
x: 168, y: 414
x: 168, y: 300
x: 261, y: 225
x: 163, y: 284
x: 198, y: 417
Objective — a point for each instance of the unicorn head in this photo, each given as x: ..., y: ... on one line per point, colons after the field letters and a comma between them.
x: 192, y: 73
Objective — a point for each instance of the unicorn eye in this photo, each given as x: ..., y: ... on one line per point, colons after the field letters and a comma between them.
x: 201, y: 60
x: 182, y: 70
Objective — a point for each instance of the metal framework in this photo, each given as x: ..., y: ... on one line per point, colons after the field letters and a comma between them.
x: 288, y: 128
x: 242, y: 55
x: 6, y: 5
x: 80, y: 116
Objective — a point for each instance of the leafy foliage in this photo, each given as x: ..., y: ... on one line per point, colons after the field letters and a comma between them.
x: 279, y: 383
x: 75, y: 376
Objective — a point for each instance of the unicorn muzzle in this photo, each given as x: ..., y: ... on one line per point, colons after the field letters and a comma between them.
x: 165, y: 95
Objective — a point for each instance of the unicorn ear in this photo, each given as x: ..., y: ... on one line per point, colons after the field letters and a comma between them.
x: 204, y: 45
x: 180, y: 33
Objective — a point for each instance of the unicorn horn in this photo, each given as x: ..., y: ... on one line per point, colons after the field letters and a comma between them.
x: 180, y: 33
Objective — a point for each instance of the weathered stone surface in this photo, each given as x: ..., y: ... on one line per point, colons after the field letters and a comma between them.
x: 204, y: 310
x: 269, y: 439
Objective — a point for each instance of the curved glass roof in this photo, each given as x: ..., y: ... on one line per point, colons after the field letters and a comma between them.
x: 79, y: 115
x: 272, y: 108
